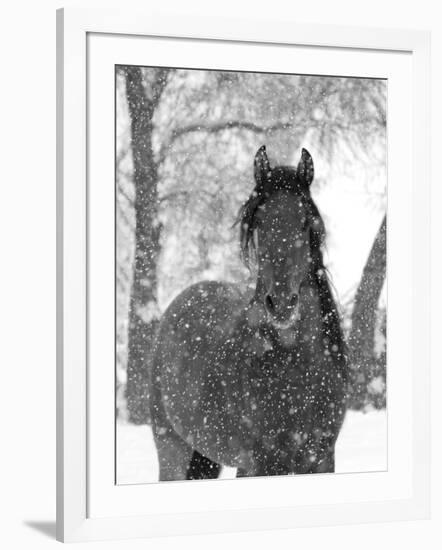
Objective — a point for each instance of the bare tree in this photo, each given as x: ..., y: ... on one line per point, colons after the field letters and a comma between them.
x: 363, y: 320
x: 143, y: 93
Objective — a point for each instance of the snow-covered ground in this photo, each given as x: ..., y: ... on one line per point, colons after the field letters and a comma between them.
x: 361, y: 447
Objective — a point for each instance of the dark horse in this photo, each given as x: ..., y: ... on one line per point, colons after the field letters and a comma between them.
x: 255, y: 384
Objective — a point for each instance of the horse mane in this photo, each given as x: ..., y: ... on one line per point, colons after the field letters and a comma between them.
x: 284, y: 178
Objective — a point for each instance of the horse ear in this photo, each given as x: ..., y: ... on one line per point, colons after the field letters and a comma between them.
x: 306, y: 170
x: 262, y: 168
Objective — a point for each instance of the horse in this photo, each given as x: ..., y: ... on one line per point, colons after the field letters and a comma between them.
x: 255, y: 383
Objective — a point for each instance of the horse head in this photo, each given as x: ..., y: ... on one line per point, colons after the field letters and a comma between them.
x: 282, y: 226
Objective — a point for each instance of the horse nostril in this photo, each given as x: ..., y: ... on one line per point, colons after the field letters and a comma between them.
x: 269, y: 303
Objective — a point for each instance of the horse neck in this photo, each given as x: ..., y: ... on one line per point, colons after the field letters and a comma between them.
x: 315, y: 339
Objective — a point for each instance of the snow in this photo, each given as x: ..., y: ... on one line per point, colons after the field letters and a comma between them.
x: 361, y: 447
x: 362, y: 443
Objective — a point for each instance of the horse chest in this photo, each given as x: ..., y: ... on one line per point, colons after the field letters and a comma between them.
x: 284, y: 389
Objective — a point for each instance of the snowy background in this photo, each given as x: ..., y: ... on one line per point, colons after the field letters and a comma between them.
x: 361, y: 447
x: 184, y: 164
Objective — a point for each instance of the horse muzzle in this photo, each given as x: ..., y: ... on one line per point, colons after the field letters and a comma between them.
x: 282, y: 311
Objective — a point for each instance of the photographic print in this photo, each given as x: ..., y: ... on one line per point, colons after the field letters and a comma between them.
x: 250, y: 274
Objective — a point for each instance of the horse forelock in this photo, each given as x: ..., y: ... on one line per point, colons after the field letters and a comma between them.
x: 283, y: 179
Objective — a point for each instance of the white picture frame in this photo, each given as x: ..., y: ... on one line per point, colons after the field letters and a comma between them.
x: 86, y: 497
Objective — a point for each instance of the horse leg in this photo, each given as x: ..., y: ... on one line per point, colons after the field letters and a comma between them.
x: 178, y: 461
x: 262, y: 463
x: 174, y: 454
x: 327, y: 466
x: 326, y: 463
x: 201, y: 467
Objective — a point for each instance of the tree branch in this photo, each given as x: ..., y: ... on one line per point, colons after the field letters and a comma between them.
x: 124, y: 217
x: 215, y: 127
x: 363, y: 319
x: 121, y: 191
x: 228, y: 125
x: 175, y: 194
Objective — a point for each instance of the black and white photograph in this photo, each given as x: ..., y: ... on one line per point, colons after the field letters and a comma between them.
x: 250, y: 274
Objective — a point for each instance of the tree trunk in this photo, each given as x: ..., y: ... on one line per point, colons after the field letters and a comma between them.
x: 143, y: 95
x: 361, y: 341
